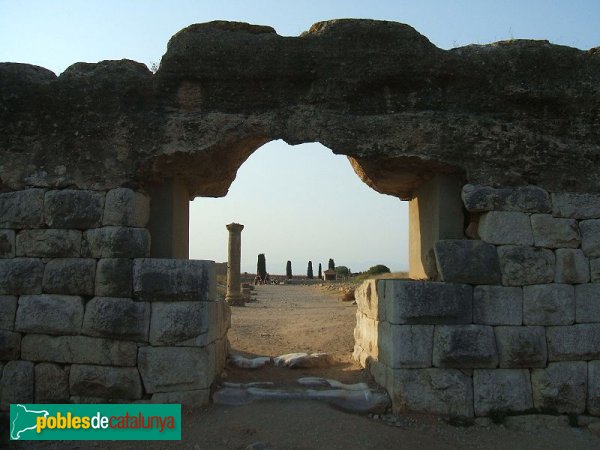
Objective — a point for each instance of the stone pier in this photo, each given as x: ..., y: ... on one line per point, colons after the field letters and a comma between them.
x: 234, y: 292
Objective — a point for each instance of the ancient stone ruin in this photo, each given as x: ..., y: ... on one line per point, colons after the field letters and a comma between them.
x: 496, y: 147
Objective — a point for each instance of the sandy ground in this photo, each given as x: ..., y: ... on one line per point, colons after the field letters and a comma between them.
x: 304, y: 318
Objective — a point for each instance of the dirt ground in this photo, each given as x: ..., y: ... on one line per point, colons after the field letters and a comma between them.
x: 294, y: 318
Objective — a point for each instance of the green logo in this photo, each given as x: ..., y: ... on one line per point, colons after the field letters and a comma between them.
x: 95, y: 422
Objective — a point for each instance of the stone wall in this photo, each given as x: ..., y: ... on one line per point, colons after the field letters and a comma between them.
x: 85, y: 316
x: 512, y: 324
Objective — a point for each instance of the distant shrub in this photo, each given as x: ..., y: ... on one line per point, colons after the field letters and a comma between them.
x: 342, y: 271
x: 378, y: 269
x: 288, y: 270
x: 320, y: 272
x: 309, y: 271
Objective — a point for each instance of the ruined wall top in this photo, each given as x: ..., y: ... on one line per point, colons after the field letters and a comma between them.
x: 509, y: 113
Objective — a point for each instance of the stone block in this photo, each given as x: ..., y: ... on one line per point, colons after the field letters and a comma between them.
x: 169, y: 369
x: 367, y: 298
x: 366, y: 334
x: 73, y: 208
x: 10, y: 345
x: 17, y: 383
x: 49, y: 243
x: 595, y: 270
x: 576, y: 206
x: 552, y: 232
x: 467, y: 261
x: 21, y: 276
x: 464, y: 346
x: 522, y: 265
x: 561, y: 387
x: 521, y: 347
x: 105, y: 382
x: 593, y: 395
x: 70, y: 276
x: 505, y: 227
x: 405, y: 346
x: 549, y: 304
x: 176, y: 323
x: 160, y: 280
x: 195, y: 398
x: 572, y: 266
x: 119, y: 318
x: 51, y: 383
x: 114, y: 277
x: 7, y: 244
x: 50, y: 314
x: 507, y: 390
x: 116, y: 242
x: 573, y: 343
x: 587, y: 303
x: 438, y: 391
x: 497, y: 305
x: 78, y: 349
x: 590, y: 237
x: 126, y: 207
x: 22, y: 209
x: 525, y: 199
x: 8, y: 309
x: 427, y: 303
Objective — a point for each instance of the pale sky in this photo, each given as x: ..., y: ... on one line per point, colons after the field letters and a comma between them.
x: 302, y: 202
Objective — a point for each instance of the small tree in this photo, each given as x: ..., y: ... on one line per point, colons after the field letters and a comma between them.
x: 309, y: 271
x: 331, y: 264
x: 288, y: 270
x: 261, y: 267
x: 320, y: 272
x: 342, y: 272
x: 378, y: 269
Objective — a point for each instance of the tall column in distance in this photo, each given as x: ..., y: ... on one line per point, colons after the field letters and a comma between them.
x: 234, y: 291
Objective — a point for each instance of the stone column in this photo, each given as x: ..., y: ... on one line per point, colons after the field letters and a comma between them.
x: 234, y: 291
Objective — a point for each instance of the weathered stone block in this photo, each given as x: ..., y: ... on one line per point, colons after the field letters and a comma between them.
x: 505, y: 227
x: 49, y: 243
x: 70, y: 276
x: 573, y: 343
x: 595, y: 270
x: 158, y: 280
x: 8, y: 309
x: 22, y: 209
x: 427, y: 303
x: 576, y: 206
x: 51, y: 314
x: 501, y: 390
x: 126, y: 207
x: 552, y: 232
x: 587, y: 303
x: 521, y: 347
x: 549, y: 304
x: 486, y: 198
x: 571, y: 266
x: 366, y: 334
x: 405, y: 346
x: 464, y: 346
x: 199, y: 397
x: 116, y: 242
x: 7, y: 244
x: 437, y: 391
x: 114, y: 277
x: 367, y: 297
x: 593, y: 397
x: 120, y: 318
x: 521, y: 265
x: 10, y: 345
x: 590, y: 237
x: 467, y: 261
x: 105, y: 382
x: 73, y: 208
x: 497, y: 305
x: 51, y: 383
x: 78, y: 349
x: 21, y: 276
x: 17, y: 383
x: 177, y: 322
x: 168, y: 369
x: 561, y: 387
